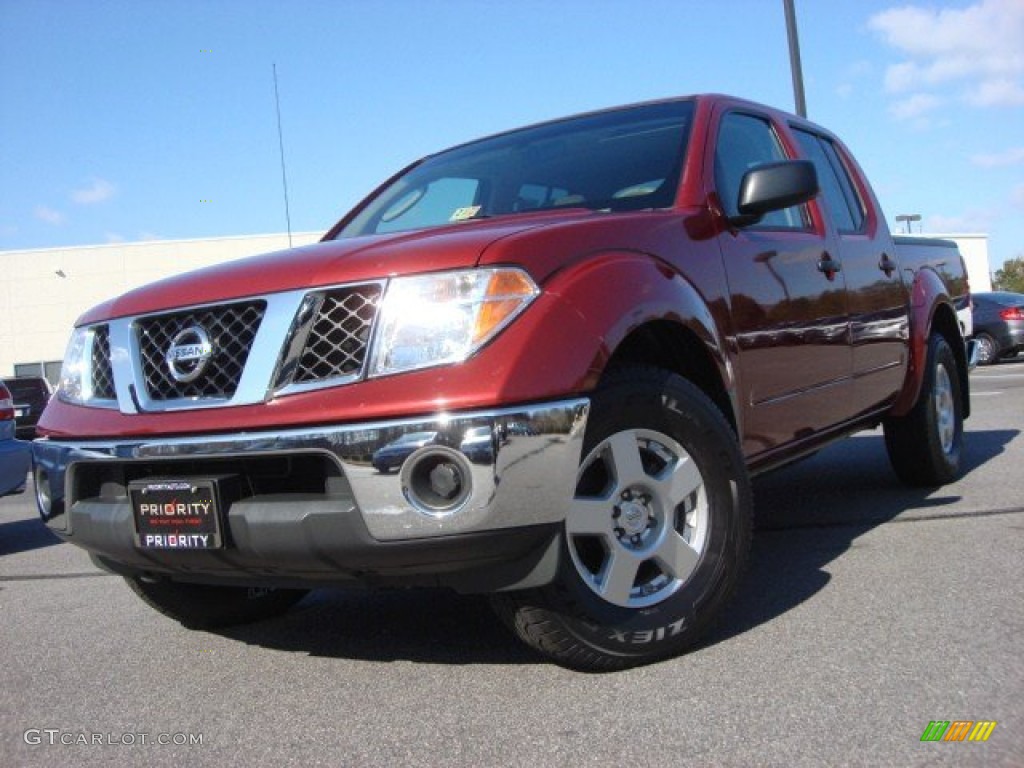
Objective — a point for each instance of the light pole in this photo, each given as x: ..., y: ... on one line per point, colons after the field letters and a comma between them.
x: 794, y: 59
x: 908, y: 218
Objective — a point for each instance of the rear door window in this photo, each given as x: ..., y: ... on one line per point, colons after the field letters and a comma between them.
x: 844, y: 205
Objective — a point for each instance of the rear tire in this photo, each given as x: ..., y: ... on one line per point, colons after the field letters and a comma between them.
x: 924, y: 446
x: 987, y: 352
x: 203, y: 606
x: 657, y: 536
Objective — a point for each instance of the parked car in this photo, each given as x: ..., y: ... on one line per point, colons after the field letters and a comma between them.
x: 998, y: 325
x: 393, y: 454
x: 478, y: 445
x: 15, y: 455
x: 30, y: 394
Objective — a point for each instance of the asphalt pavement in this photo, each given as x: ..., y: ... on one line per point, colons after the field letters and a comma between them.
x: 869, y: 611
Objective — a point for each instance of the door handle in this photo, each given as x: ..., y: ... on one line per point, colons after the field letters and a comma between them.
x: 887, y: 265
x: 829, y: 266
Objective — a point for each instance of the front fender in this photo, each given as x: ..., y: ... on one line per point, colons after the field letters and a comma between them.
x: 617, y: 293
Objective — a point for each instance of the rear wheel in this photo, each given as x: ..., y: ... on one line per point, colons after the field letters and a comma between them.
x: 656, y: 537
x: 924, y: 446
x: 202, y: 606
x: 987, y: 352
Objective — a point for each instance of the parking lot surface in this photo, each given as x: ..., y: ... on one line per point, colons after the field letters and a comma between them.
x: 869, y: 611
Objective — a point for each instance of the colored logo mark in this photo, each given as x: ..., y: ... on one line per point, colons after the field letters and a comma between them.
x: 958, y: 730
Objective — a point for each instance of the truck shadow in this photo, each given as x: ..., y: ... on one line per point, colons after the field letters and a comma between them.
x: 25, y: 536
x: 807, y: 515
x: 418, y: 625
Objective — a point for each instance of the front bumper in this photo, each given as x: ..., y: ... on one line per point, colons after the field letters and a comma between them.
x: 314, y: 510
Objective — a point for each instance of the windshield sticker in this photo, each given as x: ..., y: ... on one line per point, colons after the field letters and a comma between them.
x: 461, y: 214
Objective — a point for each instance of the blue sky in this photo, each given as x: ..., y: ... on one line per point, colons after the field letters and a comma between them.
x: 155, y: 119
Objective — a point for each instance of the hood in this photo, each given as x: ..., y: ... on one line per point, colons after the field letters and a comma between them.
x: 325, y: 263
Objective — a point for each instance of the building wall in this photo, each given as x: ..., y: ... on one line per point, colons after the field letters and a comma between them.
x: 43, y: 291
x: 974, y: 249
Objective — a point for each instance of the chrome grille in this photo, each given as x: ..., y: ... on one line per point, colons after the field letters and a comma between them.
x: 231, y: 330
x: 340, y: 335
x: 102, y: 371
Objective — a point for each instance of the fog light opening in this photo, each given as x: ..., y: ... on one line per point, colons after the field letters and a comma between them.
x: 437, y: 481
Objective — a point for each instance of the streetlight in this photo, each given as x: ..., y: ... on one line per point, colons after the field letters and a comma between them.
x: 794, y: 58
x: 907, y: 218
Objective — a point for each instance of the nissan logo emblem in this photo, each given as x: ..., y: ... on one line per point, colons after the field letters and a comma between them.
x: 189, y: 354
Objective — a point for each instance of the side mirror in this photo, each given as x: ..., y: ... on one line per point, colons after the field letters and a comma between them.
x: 772, y: 187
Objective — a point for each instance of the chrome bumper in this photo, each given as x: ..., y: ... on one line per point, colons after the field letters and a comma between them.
x: 483, y: 471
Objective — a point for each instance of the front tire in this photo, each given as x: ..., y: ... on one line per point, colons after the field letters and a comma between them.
x: 203, y: 606
x: 657, y: 536
x: 924, y: 446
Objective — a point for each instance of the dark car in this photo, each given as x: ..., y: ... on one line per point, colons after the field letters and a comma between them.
x: 998, y: 325
x: 30, y: 394
x: 397, y: 451
x: 478, y: 445
x: 15, y: 455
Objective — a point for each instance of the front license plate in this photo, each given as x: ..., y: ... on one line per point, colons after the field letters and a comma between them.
x: 176, y: 514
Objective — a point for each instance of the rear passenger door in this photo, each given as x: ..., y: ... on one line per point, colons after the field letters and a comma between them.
x: 876, y: 295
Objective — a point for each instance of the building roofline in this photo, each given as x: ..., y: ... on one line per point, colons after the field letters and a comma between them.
x: 123, y: 243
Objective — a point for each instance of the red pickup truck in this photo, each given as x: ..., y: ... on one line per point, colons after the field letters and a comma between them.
x: 541, y: 365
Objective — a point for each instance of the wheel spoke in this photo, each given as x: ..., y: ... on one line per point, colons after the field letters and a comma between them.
x: 625, y: 457
x: 944, y: 409
x: 615, y: 582
x: 677, y: 558
x: 682, y: 480
x: 589, y: 517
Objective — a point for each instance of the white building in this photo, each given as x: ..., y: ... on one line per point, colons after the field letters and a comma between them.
x: 974, y: 249
x: 43, y: 291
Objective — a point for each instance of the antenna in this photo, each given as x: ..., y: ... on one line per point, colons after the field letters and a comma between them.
x: 280, y: 144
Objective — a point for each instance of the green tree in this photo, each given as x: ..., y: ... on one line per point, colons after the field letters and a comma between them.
x: 1011, y: 276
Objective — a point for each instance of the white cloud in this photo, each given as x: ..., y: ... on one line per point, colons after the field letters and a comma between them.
x: 981, y: 46
x: 1001, y: 92
x: 1018, y: 197
x: 1014, y: 156
x: 915, y: 107
x: 976, y: 220
x: 98, y: 191
x: 49, y: 215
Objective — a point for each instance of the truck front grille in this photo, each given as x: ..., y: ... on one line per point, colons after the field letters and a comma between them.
x: 340, y: 335
x: 102, y: 371
x: 231, y: 330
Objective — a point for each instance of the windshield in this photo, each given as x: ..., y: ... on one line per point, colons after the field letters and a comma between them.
x: 626, y: 159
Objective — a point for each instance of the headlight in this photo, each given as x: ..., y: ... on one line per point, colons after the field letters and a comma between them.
x: 443, y: 318
x: 75, y: 382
